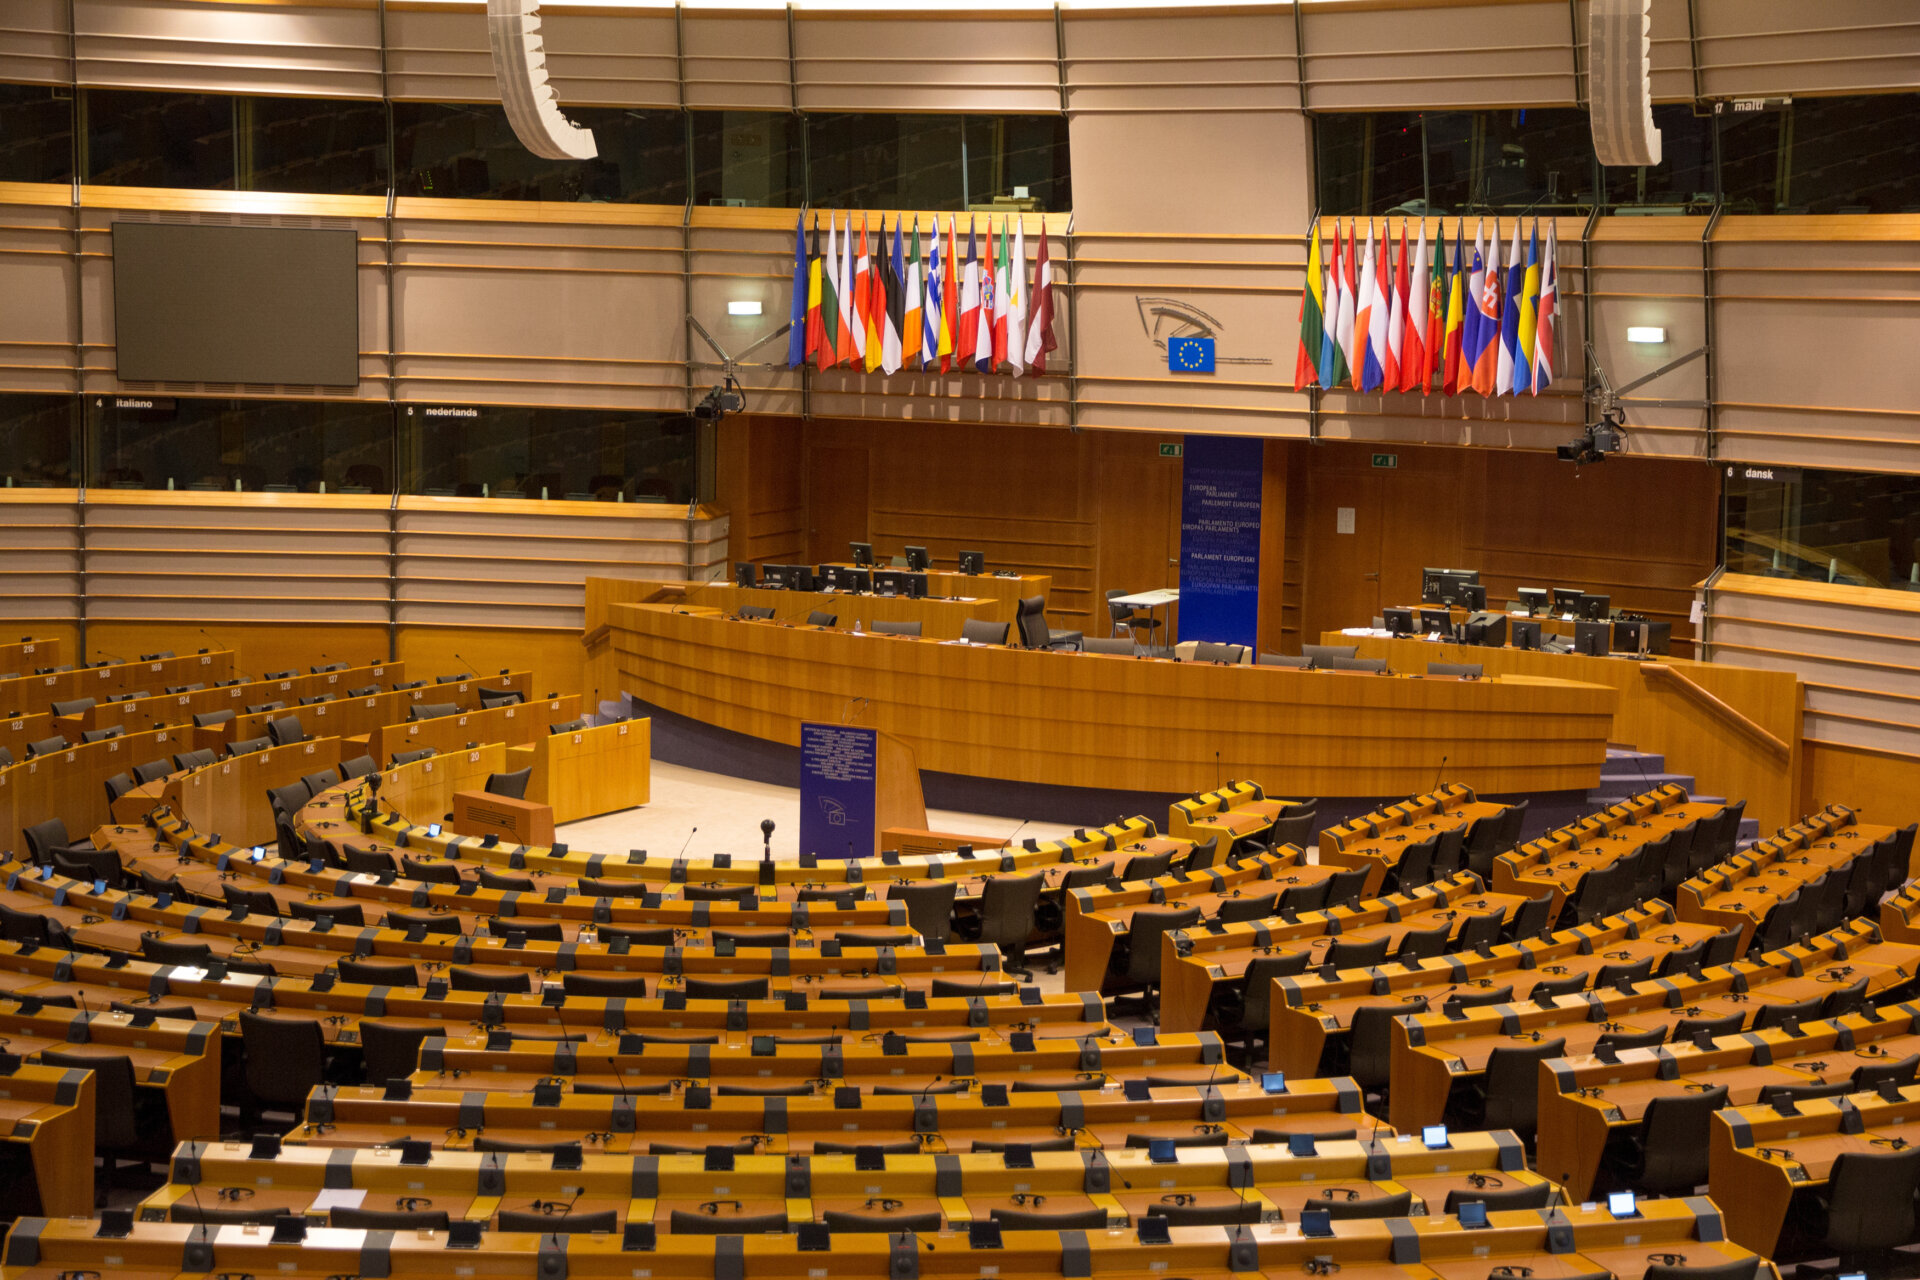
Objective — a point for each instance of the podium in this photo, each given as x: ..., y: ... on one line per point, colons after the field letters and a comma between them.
x: 481, y: 813
x: 855, y: 783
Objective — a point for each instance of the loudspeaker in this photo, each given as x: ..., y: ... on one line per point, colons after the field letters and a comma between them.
x: 520, y: 68
x: 1620, y: 96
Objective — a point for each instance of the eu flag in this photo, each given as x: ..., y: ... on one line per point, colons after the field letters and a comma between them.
x: 1190, y: 355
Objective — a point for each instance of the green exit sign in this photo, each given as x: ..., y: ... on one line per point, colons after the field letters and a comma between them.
x: 1386, y: 461
x: 1171, y: 450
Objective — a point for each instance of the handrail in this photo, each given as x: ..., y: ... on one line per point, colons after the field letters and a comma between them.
x: 1713, y: 703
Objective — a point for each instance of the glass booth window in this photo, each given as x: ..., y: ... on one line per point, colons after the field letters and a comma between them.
x: 603, y: 455
x: 223, y: 142
x: 1824, y: 155
x: 749, y: 158
x: 290, y: 446
x: 36, y: 133
x: 467, y: 151
x: 1536, y: 159
x: 39, y: 442
x: 1683, y: 182
x: 1827, y: 526
x: 872, y: 160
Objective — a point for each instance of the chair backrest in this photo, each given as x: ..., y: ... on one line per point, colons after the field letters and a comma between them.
x: 821, y: 618
x: 1734, y: 1269
x: 984, y: 631
x: 929, y: 907
x: 1674, y: 1134
x: 1370, y: 1040
x: 1350, y: 953
x: 504, y: 882
x: 512, y: 785
x: 248, y: 746
x: 1530, y: 918
x: 118, y: 785
x: 286, y: 729
x: 755, y: 611
x: 1415, y: 867
x: 1319, y: 652
x: 392, y: 1051
x: 74, y: 706
x: 1234, y: 910
x: 1294, y: 829
x: 1345, y: 887
x: 167, y: 951
x: 288, y: 799
x: 1374, y: 665
x: 1257, y: 1003
x: 1870, y: 1200
x: 1299, y: 660
x: 21, y: 926
x: 286, y: 1057
x: 1783, y: 1013
x: 432, y: 710
x: 101, y: 735
x: 116, y: 1124
x: 607, y: 986
x: 408, y: 757
x: 358, y: 767
x: 1512, y: 1081
x: 1473, y: 670
x: 726, y: 988
x: 462, y: 978
x: 440, y: 872
x: 1423, y: 944
x: 1479, y: 930
x: 883, y: 627
x: 1006, y: 910
x: 1305, y: 897
x: 1031, y: 618
x: 1143, y: 940
x: 1729, y: 833
x: 46, y: 747
x: 1146, y: 866
x: 1686, y: 1029
x: 1120, y: 645
x: 1213, y: 651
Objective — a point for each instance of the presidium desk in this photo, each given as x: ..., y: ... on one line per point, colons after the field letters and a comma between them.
x: 1093, y: 720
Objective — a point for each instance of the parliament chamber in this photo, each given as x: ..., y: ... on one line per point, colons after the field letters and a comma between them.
x: 833, y: 640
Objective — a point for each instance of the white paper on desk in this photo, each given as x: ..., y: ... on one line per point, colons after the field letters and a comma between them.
x: 339, y: 1198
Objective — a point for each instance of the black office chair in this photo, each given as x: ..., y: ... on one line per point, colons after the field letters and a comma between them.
x: 1031, y: 618
x: 1466, y: 670
x: 1040, y: 1220
x: 260, y: 900
x: 1415, y: 867
x: 1481, y: 929
x: 1510, y: 1097
x: 511, y: 785
x: 378, y: 973
x: 1244, y: 1019
x: 248, y: 746
x: 884, y: 627
x: 462, y: 978
x: 44, y: 839
x: 688, y: 1222
x: 1865, y: 1210
x: 929, y: 907
x: 1006, y: 918
x: 285, y: 730
x: 1666, y: 1153
x: 718, y: 893
x: 358, y: 767
x: 441, y: 872
x: 287, y: 801
x: 116, y: 786
x: 1345, y: 887
x: 172, y: 952
x: 422, y: 922
x: 982, y: 631
x: 1687, y: 1030
x: 1346, y: 1204
x: 756, y: 612
x: 22, y: 926
x: 102, y: 734
x: 608, y: 986
x: 821, y: 618
x: 388, y: 1219
x: 1356, y: 953
x: 126, y: 1125
x: 1535, y: 1195
x: 344, y: 914
x: 569, y: 726
x: 47, y: 747
x: 74, y: 706
x: 1423, y: 944
x: 1139, y: 961
x: 1257, y: 907
x: 726, y: 988
x: 366, y: 862
x: 391, y: 1052
x: 432, y: 710
x: 285, y: 1059
x: 603, y: 1222
x: 840, y: 1221
x: 1298, y: 660
x: 1317, y: 653
x: 1146, y: 866
x: 491, y: 698
x: 503, y: 882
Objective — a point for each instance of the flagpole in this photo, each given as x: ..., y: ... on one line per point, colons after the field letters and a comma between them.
x: 1314, y: 389
x: 1073, y: 334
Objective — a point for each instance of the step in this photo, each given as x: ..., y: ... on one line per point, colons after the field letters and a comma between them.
x: 1622, y: 763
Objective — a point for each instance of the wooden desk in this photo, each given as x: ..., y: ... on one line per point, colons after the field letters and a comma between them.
x: 515, y: 821
x: 358, y: 717
x: 588, y: 772
x: 1657, y: 712
x: 513, y: 726
x: 940, y: 618
x: 1115, y: 722
x: 1377, y: 840
x: 1553, y: 864
x: 48, y: 1111
x: 38, y: 693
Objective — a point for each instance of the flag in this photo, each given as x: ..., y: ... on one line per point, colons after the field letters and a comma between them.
x: 913, y: 322
x: 797, y: 313
x: 1370, y: 322
x: 1544, y: 316
x: 844, y: 349
x: 1333, y: 370
x: 1001, y: 295
x: 1436, y: 339
x: 1306, y: 364
x: 1017, y: 300
x: 875, y: 294
x: 1414, y: 360
x: 965, y: 338
x: 1190, y: 355
x: 816, y: 290
x: 861, y: 290
x: 1397, y: 314
x: 1486, y: 359
x: 1040, y: 339
x: 894, y: 302
x: 950, y: 298
x: 1510, y: 317
x: 1343, y: 321
x: 1476, y: 283
x: 983, y: 332
x: 1455, y: 332
x: 1529, y: 297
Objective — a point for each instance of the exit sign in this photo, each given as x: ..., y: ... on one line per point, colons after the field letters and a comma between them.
x: 1386, y: 461
x: 1171, y: 450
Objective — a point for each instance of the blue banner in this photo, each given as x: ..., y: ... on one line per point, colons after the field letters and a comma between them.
x: 1220, y: 539
x: 837, y: 773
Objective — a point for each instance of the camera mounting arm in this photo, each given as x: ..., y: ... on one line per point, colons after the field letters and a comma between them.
x: 1609, y: 399
x: 731, y: 364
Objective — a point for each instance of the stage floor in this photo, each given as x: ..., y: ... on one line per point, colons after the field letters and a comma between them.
x: 728, y: 811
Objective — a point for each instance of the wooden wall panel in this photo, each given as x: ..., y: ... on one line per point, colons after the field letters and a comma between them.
x: 1772, y: 47
x: 846, y: 61
x: 326, y: 50
x: 737, y: 60
x: 760, y: 483
x: 33, y: 42
x: 1373, y: 58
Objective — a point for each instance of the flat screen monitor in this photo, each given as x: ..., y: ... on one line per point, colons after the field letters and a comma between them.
x: 1436, y: 622
x: 1566, y: 600
x: 1595, y: 608
x: 896, y: 582
x: 1398, y: 621
x: 1533, y: 599
x: 264, y: 305
x: 744, y: 573
x: 1484, y: 628
x: 1472, y: 596
x: 1591, y: 638
x: 858, y: 581
x: 1443, y: 586
x: 917, y: 559
x: 862, y: 553
x: 1526, y: 635
x: 973, y: 562
x: 787, y: 577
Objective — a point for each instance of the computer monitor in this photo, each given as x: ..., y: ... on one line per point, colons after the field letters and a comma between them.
x: 745, y: 574
x: 1472, y: 596
x: 1443, y: 586
x: 973, y: 562
x: 1566, y: 600
x: 1591, y: 638
x: 1595, y: 608
x: 774, y: 577
x: 1436, y: 622
x: 917, y: 559
x: 1398, y: 621
x: 838, y: 577
x: 787, y: 577
x: 898, y: 582
x: 1526, y: 635
x: 862, y: 553
x: 1484, y: 628
x: 1534, y: 599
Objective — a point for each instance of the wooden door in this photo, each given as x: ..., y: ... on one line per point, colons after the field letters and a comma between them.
x: 836, y: 503
x: 1342, y: 568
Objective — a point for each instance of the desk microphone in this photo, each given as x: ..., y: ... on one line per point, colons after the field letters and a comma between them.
x: 1441, y: 772
x: 683, y: 848
x: 620, y: 1074
x: 462, y: 661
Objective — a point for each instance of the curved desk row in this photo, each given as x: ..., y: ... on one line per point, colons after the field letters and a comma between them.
x: 1101, y: 721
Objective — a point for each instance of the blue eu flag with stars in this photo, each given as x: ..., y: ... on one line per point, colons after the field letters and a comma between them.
x: 1190, y: 355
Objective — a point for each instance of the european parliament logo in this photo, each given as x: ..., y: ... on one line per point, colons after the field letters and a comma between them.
x: 1190, y: 355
